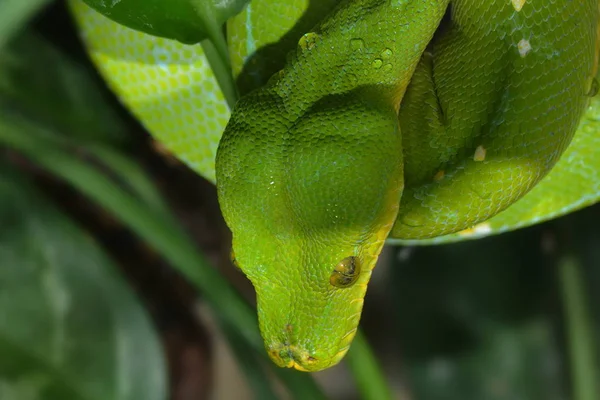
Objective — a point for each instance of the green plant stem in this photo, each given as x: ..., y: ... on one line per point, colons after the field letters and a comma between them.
x: 158, y: 230
x: 216, y: 50
x: 222, y: 71
x: 131, y: 174
x: 365, y: 369
x: 249, y: 363
x: 206, y: 12
x: 582, y: 352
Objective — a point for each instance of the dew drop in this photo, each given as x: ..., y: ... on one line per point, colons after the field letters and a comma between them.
x: 387, y: 67
x: 377, y: 63
x: 413, y: 219
x: 357, y: 44
x: 308, y: 41
x: 387, y: 53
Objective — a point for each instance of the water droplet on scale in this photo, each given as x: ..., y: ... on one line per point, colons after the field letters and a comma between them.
x: 377, y: 63
x: 276, y: 77
x: 387, y: 53
x: 413, y: 219
x: 308, y: 41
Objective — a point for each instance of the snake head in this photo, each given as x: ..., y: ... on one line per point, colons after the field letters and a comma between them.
x: 310, y: 295
x: 309, y: 204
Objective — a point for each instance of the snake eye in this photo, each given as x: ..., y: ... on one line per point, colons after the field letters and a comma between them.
x: 345, y: 273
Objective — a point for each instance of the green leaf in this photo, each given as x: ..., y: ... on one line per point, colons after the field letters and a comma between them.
x: 158, y: 230
x: 14, y: 14
x: 578, y: 321
x: 131, y: 175
x: 188, y: 21
x: 70, y: 328
x: 249, y: 362
x: 474, y: 321
x: 44, y: 84
x: 579, y: 268
x: 366, y: 371
x: 511, y: 363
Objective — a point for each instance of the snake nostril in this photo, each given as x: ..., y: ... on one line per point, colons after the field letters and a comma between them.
x: 286, y: 354
x: 290, y: 356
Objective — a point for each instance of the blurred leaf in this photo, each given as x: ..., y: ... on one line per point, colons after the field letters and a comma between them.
x: 586, y: 232
x: 158, y: 230
x: 474, y: 322
x: 188, y: 21
x: 580, y: 282
x: 366, y: 371
x: 70, y: 328
x: 131, y: 175
x: 578, y: 327
x: 510, y: 363
x: 250, y: 363
x: 44, y: 84
x: 14, y: 14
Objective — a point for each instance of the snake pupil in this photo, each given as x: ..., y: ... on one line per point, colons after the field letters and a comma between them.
x: 345, y: 273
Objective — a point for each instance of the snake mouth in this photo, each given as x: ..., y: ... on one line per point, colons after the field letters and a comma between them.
x: 290, y: 356
x: 293, y: 356
x: 299, y: 367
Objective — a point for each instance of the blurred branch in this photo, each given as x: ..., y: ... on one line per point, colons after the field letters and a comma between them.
x: 130, y: 174
x: 367, y: 374
x: 249, y: 363
x: 582, y: 351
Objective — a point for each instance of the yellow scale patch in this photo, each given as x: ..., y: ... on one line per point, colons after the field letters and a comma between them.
x: 524, y: 47
x: 480, y: 153
x: 167, y: 85
x: 518, y: 4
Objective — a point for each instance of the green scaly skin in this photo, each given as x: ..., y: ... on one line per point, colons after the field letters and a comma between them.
x: 503, y: 82
x: 311, y: 167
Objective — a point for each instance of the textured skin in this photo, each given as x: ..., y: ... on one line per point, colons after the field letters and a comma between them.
x: 503, y: 74
x: 522, y: 106
x: 574, y: 183
x: 321, y: 176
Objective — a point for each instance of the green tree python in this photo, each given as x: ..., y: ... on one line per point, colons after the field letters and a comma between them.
x: 420, y: 121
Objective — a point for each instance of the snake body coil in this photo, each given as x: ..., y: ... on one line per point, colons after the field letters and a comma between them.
x: 407, y: 119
